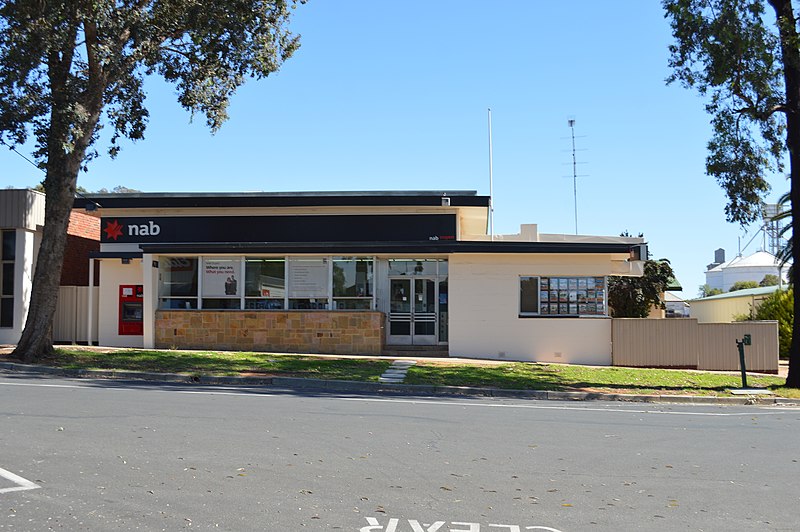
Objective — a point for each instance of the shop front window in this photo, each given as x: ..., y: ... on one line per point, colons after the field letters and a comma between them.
x: 222, y: 283
x: 353, y: 283
x: 309, y: 279
x: 265, y: 283
x: 416, y: 266
x: 562, y: 296
x: 178, y: 282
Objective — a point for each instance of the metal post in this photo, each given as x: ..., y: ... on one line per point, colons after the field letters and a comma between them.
x: 740, y: 344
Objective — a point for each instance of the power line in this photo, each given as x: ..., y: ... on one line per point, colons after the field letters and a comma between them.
x: 12, y: 148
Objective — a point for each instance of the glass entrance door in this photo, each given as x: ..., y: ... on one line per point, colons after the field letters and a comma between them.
x: 413, y: 313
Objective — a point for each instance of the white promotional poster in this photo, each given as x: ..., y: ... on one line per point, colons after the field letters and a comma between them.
x: 222, y: 278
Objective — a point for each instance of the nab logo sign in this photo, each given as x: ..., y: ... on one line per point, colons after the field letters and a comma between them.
x: 114, y: 229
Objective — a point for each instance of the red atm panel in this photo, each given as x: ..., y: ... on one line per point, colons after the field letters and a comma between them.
x: 131, y: 309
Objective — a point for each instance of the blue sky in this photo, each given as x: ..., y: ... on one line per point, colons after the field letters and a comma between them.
x: 394, y: 96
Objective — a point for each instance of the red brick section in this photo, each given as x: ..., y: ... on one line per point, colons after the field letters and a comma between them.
x: 83, y: 236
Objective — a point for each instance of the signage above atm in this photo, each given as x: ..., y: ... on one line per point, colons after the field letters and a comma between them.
x: 304, y: 228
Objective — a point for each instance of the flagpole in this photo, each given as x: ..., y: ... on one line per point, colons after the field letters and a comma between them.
x: 491, y: 195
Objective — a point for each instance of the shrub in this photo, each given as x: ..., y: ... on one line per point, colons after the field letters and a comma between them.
x: 779, y: 307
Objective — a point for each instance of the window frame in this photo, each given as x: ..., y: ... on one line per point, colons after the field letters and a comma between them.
x: 547, y: 287
x: 5, y: 261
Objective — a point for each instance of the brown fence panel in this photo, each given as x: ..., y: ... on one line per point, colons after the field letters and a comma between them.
x: 720, y: 351
x: 684, y: 343
x: 653, y: 343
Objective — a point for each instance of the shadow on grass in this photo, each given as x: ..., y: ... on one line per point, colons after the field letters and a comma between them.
x: 525, y: 376
x: 220, y: 363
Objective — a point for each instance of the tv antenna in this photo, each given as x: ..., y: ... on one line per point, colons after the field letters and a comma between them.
x: 571, y: 124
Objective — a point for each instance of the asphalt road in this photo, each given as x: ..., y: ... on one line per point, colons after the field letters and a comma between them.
x: 106, y: 455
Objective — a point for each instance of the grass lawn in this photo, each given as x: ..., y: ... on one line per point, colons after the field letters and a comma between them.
x: 528, y: 376
x: 220, y: 363
x: 514, y: 375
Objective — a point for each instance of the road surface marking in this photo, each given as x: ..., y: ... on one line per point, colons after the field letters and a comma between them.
x: 547, y: 407
x: 21, y: 483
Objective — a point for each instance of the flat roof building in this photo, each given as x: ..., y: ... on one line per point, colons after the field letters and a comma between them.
x: 349, y: 272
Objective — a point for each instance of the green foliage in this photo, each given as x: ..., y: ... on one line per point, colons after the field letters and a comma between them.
x: 725, y: 49
x: 633, y: 297
x: 779, y: 307
x: 70, y: 68
x: 742, y: 285
x: 66, y: 64
x: 769, y: 280
x: 119, y: 189
x: 787, y: 251
x: 706, y: 291
x: 746, y: 61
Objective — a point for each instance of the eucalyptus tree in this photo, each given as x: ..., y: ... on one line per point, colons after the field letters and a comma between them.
x: 71, y: 67
x: 744, y: 55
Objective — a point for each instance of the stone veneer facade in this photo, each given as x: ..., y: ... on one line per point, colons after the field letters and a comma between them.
x: 336, y: 332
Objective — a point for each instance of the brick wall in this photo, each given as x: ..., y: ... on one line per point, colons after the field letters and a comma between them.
x: 83, y: 236
x: 336, y: 332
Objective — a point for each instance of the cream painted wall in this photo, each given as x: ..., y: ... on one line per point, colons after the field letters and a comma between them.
x: 484, y: 311
x: 112, y: 274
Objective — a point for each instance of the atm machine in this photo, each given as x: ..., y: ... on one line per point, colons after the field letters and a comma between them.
x: 131, y: 309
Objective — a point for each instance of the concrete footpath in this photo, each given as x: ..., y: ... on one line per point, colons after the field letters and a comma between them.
x: 341, y: 386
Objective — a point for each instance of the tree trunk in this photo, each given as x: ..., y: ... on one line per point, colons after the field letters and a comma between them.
x: 59, y: 186
x: 787, y: 27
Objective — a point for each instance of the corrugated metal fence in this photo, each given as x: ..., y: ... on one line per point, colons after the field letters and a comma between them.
x: 72, y: 314
x: 684, y: 343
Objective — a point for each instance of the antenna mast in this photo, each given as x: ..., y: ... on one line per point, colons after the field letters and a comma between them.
x: 571, y: 123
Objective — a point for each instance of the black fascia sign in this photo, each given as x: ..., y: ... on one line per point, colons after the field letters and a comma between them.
x: 243, y: 229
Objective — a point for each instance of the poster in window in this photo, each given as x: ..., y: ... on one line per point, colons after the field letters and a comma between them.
x: 553, y: 308
x: 545, y: 283
x: 590, y: 296
x: 563, y: 296
x: 308, y: 278
x: 599, y: 282
x: 591, y: 308
x: 563, y: 284
x: 600, y: 295
x: 582, y: 283
x: 581, y: 308
x: 563, y: 308
x: 573, y: 296
x: 573, y: 284
x: 581, y: 296
x: 544, y: 295
x: 221, y: 278
x: 573, y: 308
x: 544, y: 308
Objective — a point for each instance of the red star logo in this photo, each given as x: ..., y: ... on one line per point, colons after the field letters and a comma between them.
x: 113, y: 230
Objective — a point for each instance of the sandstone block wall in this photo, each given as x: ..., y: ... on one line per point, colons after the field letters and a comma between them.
x: 336, y: 332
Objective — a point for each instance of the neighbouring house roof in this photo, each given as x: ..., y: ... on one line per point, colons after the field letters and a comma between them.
x: 749, y: 292
x: 673, y: 285
x: 669, y: 297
